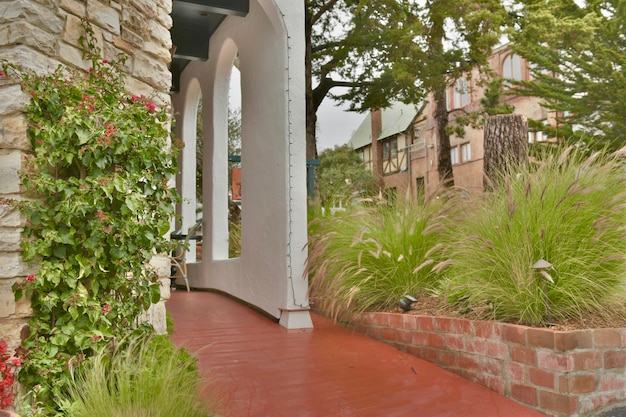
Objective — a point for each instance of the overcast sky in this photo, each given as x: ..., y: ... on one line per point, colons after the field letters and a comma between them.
x: 335, y: 125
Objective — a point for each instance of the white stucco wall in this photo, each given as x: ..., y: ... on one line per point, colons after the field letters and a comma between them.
x: 270, y: 272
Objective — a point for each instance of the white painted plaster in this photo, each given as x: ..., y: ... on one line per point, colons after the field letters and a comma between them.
x: 270, y: 272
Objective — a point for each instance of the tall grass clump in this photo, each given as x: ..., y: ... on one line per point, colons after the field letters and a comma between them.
x: 370, y: 257
x: 148, y: 377
x: 548, y: 244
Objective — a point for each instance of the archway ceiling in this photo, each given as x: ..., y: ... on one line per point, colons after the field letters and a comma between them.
x: 194, y: 21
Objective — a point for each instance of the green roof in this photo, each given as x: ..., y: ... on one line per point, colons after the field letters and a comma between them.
x: 395, y: 119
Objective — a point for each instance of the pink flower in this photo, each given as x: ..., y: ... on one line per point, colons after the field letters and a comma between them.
x: 30, y: 278
x: 1, y: 74
x: 150, y: 105
x: 106, y: 309
x: 105, y: 61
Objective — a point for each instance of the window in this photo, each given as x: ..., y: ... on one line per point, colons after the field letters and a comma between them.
x: 391, y: 161
x: 460, y: 93
x: 537, y: 137
x: 420, y: 187
x: 512, y: 67
x: 460, y: 154
x: 454, y: 155
x: 466, y: 152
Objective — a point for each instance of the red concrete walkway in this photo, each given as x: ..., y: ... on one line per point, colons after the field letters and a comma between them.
x: 261, y: 369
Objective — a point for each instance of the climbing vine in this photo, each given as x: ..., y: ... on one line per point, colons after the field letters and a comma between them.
x: 99, y: 206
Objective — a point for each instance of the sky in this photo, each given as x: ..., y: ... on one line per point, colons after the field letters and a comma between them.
x: 335, y: 124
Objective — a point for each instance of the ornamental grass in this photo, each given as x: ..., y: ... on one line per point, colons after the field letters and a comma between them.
x: 370, y: 257
x: 148, y: 377
x: 547, y: 245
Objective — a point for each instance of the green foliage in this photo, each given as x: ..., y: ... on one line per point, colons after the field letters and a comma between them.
x: 577, y: 50
x: 568, y: 211
x: 101, y: 203
x: 342, y: 176
x: 371, y: 257
x: 144, y: 377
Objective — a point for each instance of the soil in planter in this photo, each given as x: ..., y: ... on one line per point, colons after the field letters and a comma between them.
x: 433, y: 306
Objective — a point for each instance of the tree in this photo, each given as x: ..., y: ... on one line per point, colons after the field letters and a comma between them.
x: 398, y: 49
x: 578, y: 55
x: 343, y: 175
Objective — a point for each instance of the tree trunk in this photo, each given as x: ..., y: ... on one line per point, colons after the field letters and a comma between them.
x: 505, y: 143
x: 444, y: 162
x: 311, y: 117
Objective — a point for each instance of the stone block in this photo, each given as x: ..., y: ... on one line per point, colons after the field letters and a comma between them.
x: 9, y: 216
x: 151, y: 71
x: 37, y: 15
x: 136, y: 22
x: 29, y: 59
x: 75, y: 7
x: 164, y: 18
x: 13, y: 132
x: 23, y: 33
x: 104, y: 16
x: 157, y: 50
x: 11, y: 330
x: 146, y: 7
x: 12, y: 265
x: 132, y: 38
x: 160, y: 33
x: 7, y: 299
x: 12, y: 99
x: 10, y: 239
x: 73, y: 56
x: 10, y: 165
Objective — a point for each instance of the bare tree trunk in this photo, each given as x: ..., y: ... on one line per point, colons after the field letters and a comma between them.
x: 505, y: 142
x: 444, y: 162
x: 311, y: 116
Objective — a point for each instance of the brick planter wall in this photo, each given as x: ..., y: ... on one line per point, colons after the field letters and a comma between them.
x: 560, y: 373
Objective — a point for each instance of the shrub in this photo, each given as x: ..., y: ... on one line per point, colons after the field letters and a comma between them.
x: 568, y: 211
x: 372, y: 256
x: 100, y: 205
x: 145, y: 377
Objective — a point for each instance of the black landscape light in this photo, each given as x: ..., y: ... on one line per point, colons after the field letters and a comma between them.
x: 406, y: 301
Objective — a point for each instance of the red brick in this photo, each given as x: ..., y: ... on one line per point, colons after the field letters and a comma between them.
x: 455, y: 342
x: 469, y: 362
x: 431, y: 355
x: 541, y: 338
x: 596, y: 402
x: 367, y: 318
x: 614, y: 359
x: 425, y: 323
x: 623, y: 337
x: 476, y: 345
x: 496, y: 349
x: 580, y: 339
x: 382, y: 319
x: 443, y: 324
x: 436, y: 341
x: 487, y: 329
x: 612, y: 382
x: 558, y: 402
x: 525, y: 394
x: 409, y: 321
x: 419, y: 338
x: 414, y: 350
x: 375, y: 332
x: 492, y: 382
x: 523, y: 355
x: 396, y: 320
x: 604, y: 338
x: 577, y: 384
x: 404, y: 336
x: 389, y: 334
x: 587, y: 360
x: 514, y: 333
x: 449, y: 359
x: 541, y: 377
x: 514, y: 371
x: 463, y: 326
x: 558, y: 362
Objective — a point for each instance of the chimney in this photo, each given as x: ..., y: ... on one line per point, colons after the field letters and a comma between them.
x: 377, y: 149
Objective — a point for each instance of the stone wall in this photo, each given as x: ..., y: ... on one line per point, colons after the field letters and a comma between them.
x: 40, y: 35
x: 579, y: 373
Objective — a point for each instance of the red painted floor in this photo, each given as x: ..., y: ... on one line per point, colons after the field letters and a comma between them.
x: 259, y: 369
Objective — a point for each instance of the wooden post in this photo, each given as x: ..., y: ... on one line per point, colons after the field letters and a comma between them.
x: 505, y: 142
